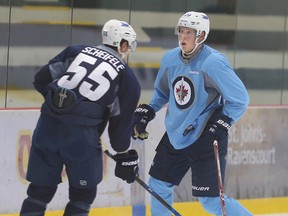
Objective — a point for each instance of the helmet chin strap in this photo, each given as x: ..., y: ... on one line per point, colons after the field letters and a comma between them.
x: 191, y: 52
x: 195, y: 47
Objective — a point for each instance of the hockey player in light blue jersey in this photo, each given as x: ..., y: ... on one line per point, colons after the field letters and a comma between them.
x: 204, y: 98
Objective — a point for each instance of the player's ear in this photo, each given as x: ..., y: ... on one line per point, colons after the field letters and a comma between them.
x: 201, y: 37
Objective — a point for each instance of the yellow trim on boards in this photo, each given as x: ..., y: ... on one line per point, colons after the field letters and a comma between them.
x: 256, y: 206
x: 37, y: 7
x: 144, y: 64
x: 74, y: 23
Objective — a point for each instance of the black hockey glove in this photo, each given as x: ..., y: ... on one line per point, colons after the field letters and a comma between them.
x: 218, y: 126
x: 126, y: 165
x: 142, y: 116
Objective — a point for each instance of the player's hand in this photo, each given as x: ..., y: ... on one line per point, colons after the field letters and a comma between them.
x: 126, y: 165
x: 142, y: 116
x: 218, y: 126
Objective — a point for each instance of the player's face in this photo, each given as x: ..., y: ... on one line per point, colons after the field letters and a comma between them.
x: 187, y: 37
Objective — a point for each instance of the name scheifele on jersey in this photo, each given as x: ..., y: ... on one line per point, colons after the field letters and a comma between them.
x: 115, y: 62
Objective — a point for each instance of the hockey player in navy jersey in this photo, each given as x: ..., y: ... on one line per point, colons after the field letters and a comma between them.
x: 204, y: 98
x: 85, y: 88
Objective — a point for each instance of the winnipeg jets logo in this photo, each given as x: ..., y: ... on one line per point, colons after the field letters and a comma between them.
x: 183, y: 92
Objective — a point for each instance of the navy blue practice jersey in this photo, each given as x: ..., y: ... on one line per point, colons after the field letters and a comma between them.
x: 100, y: 87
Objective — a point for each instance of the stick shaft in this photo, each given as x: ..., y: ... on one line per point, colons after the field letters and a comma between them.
x: 150, y: 190
x: 219, y: 176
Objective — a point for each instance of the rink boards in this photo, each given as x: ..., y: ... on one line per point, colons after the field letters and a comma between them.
x: 256, y: 171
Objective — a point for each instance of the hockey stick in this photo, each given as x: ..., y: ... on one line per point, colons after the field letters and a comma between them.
x: 221, y: 191
x: 150, y: 190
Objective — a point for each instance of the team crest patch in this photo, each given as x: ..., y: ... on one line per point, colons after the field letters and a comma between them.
x: 184, y: 93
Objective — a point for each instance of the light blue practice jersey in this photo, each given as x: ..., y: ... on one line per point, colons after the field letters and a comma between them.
x: 193, y: 90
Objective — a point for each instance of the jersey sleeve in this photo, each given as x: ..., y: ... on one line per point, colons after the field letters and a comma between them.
x: 161, y: 88
x: 120, y: 122
x: 229, y: 85
x: 41, y: 79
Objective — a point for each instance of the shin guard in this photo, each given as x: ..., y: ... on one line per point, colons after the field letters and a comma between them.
x: 33, y: 207
x: 77, y: 208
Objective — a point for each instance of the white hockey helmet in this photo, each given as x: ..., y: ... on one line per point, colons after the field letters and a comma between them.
x: 114, y: 31
x: 194, y: 20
